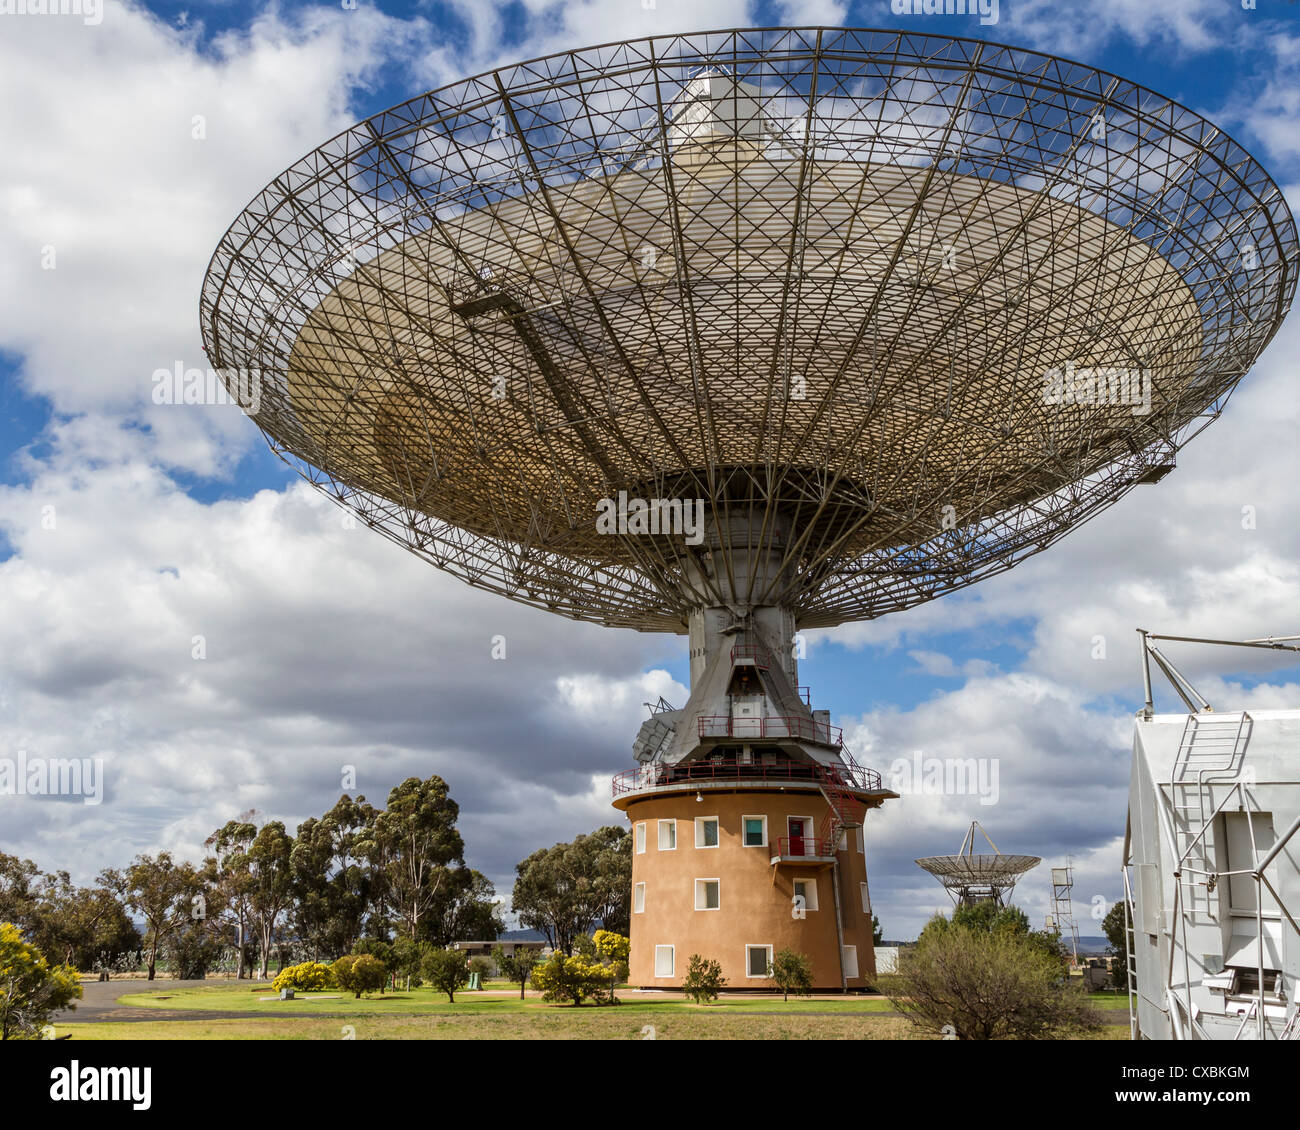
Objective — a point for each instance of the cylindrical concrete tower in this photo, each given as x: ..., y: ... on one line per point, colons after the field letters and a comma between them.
x: 729, y: 864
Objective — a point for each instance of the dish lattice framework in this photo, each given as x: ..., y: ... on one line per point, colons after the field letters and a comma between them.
x: 834, y: 302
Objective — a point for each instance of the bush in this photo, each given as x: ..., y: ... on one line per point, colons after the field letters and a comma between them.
x: 446, y: 971
x: 792, y: 973
x: 483, y: 966
x: 309, y: 977
x: 703, y: 979
x: 573, y: 979
x: 613, y: 950
x: 359, y: 973
x: 981, y: 984
x: 33, y: 989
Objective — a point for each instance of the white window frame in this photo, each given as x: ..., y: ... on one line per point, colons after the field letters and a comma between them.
x: 660, y: 843
x: 698, y: 900
x: 638, y: 898
x: 860, y: 835
x: 866, y: 898
x: 757, y: 976
x: 811, y: 883
x: 672, y: 961
x: 851, y: 952
x: 843, y: 842
x: 700, y: 821
x: 640, y: 837
x: 753, y: 816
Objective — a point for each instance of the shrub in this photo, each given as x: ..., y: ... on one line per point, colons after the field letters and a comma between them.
x: 33, y: 990
x: 383, y: 952
x: 308, y: 977
x: 613, y: 950
x: 792, y: 973
x: 703, y: 979
x: 446, y: 971
x: 483, y: 966
x: 359, y: 973
x: 573, y: 979
x: 988, y: 985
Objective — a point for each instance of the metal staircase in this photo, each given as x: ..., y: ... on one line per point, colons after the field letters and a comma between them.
x: 1211, y: 749
x: 843, y: 811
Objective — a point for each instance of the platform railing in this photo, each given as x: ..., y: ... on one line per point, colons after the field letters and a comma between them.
x: 660, y: 776
x: 771, y: 726
x: 804, y: 847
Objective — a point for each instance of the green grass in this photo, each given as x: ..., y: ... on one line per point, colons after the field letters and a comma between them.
x: 425, y: 1001
x: 552, y: 1024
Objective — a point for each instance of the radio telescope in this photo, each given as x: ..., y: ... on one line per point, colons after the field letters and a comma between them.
x: 743, y: 332
x: 971, y: 879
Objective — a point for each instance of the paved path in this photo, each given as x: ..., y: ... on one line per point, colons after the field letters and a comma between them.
x: 99, y: 1003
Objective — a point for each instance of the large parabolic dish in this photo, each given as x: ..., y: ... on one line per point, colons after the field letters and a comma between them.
x: 818, y: 278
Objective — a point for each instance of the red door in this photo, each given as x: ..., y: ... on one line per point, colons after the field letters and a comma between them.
x: 795, y: 831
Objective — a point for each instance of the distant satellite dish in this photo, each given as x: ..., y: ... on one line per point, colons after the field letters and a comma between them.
x: 972, y: 879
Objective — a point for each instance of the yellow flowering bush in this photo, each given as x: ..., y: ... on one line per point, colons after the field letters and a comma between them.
x: 573, y: 979
x: 309, y: 977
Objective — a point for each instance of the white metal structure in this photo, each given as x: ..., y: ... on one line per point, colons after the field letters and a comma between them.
x: 1211, y: 873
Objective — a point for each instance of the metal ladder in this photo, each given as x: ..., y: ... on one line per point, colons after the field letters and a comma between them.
x: 1130, y: 957
x: 1211, y: 748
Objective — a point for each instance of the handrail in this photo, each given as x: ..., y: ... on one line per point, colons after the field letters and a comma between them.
x: 770, y: 726
x: 804, y: 847
x: 759, y: 654
x: 660, y: 776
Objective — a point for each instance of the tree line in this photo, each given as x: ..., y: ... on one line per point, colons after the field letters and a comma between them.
x: 355, y: 872
x: 352, y: 878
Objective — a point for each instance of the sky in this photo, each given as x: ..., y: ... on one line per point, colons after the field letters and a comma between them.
x: 177, y: 604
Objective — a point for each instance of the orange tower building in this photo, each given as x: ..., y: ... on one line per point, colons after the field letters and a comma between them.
x: 750, y: 840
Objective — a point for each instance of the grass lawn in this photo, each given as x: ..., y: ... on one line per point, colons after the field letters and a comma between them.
x: 497, y: 999
x: 498, y: 1014
x: 551, y: 1024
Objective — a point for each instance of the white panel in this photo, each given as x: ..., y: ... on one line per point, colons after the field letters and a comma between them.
x: 850, y: 961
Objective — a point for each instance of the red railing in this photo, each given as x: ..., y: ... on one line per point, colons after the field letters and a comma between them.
x: 775, y: 726
x: 804, y: 847
x: 759, y: 654
x: 660, y: 776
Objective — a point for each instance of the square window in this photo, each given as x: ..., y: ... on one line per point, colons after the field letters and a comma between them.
x: 640, y: 839
x: 706, y: 832
x: 638, y: 899
x: 755, y: 831
x: 663, y: 961
x: 807, y: 889
x: 757, y: 959
x: 667, y: 835
x: 707, y: 894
